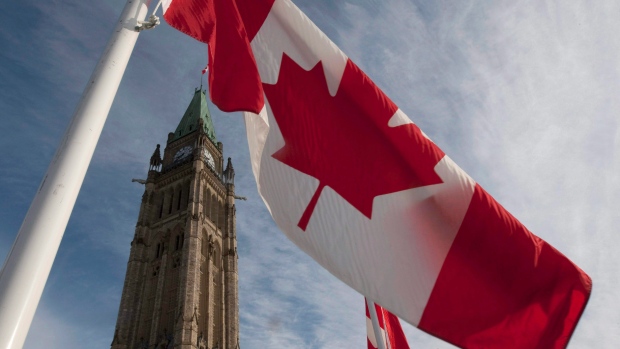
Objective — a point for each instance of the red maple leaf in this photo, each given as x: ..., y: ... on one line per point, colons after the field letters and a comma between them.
x: 345, y: 141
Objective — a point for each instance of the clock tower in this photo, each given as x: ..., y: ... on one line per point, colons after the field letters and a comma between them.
x: 181, y: 289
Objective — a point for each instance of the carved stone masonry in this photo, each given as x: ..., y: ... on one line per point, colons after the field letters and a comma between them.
x: 181, y: 285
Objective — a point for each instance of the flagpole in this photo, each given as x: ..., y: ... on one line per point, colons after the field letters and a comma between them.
x: 375, y: 324
x: 388, y: 333
x: 30, y: 260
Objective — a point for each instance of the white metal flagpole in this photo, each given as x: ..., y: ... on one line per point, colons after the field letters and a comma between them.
x: 375, y: 324
x: 30, y: 260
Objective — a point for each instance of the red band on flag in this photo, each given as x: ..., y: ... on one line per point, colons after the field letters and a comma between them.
x: 497, y: 268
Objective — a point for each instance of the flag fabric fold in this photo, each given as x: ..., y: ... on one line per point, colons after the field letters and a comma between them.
x: 353, y: 182
x: 234, y: 84
x: 391, y: 332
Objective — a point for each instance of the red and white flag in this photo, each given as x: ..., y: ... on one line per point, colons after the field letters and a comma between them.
x: 391, y: 332
x: 353, y: 182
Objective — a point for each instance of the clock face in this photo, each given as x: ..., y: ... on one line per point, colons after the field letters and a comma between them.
x: 182, y: 153
x: 208, y: 158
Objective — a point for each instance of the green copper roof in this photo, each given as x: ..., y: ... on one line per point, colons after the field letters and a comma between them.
x: 196, y: 110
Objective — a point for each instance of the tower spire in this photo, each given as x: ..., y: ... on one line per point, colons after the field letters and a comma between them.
x: 197, y: 110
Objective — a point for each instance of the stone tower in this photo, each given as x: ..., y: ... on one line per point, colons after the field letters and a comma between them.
x: 180, y: 289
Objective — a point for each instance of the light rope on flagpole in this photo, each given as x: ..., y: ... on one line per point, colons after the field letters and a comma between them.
x: 156, y: 7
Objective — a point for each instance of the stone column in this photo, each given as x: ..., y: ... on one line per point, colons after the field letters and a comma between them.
x: 231, y: 323
x: 231, y: 277
x: 210, y: 296
x: 161, y: 278
x: 186, y: 327
x: 129, y: 309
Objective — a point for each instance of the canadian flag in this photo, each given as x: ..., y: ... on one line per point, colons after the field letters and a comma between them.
x: 392, y: 334
x: 353, y: 182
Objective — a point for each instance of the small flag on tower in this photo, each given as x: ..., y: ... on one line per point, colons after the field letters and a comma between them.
x: 205, y: 70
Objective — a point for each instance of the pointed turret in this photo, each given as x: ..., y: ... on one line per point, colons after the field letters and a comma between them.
x: 196, y: 111
x: 155, y: 160
x: 229, y: 173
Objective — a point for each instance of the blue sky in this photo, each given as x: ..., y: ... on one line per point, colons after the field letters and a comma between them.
x: 523, y: 95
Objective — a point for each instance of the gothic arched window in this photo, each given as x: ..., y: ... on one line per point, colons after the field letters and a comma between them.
x: 170, y: 204
x: 161, y: 206
x: 220, y: 221
x: 186, y: 199
x: 206, y: 197
x: 214, y: 212
x: 179, y: 198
